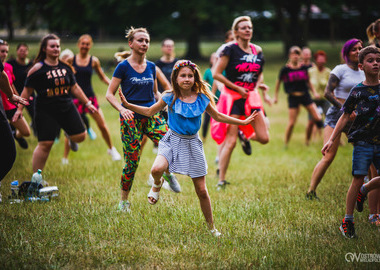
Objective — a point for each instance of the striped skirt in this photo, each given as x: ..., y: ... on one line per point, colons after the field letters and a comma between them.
x: 184, y: 154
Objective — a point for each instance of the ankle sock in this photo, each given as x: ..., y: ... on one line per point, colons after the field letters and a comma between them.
x: 349, y: 218
x: 363, y: 190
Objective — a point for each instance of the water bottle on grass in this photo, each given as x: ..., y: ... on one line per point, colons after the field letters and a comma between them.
x: 33, y: 190
x: 14, y: 197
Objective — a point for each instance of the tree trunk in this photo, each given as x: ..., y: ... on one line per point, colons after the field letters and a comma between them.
x: 8, y: 12
x: 192, y: 39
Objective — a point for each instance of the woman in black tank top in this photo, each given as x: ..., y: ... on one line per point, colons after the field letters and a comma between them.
x: 84, y: 64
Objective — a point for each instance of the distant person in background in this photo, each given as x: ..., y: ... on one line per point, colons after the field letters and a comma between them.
x: 342, y: 79
x: 20, y: 128
x: 373, y: 33
x: 167, y: 61
x: 319, y: 76
x: 21, y: 65
x: 53, y: 81
x: 84, y: 64
x: 7, y: 144
x: 295, y: 78
x: 306, y: 57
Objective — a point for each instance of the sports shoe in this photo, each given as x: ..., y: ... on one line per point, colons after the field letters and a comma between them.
x: 347, y: 228
x: 22, y: 142
x: 222, y: 185
x: 245, y: 144
x: 155, y: 149
x: 91, y: 134
x: 124, y: 206
x: 374, y: 219
x: 73, y: 145
x: 114, y: 154
x: 359, y: 201
x: 64, y: 161
x: 173, y: 183
x: 215, y: 232
x: 311, y: 195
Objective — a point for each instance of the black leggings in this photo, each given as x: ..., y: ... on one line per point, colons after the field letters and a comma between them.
x: 7, y: 147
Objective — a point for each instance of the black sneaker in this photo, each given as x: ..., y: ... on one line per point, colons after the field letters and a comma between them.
x: 22, y: 142
x: 245, y: 144
x: 312, y: 195
x: 347, y: 228
x: 222, y: 185
x: 359, y: 201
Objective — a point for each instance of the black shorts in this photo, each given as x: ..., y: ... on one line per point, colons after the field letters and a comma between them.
x: 296, y: 101
x: 238, y: 107
x: 49, y: 120
x: 10, y: 113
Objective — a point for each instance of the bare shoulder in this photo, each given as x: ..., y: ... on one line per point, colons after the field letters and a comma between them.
x: 258, y: 48
x: 34, y: 68
x: 95, y: 60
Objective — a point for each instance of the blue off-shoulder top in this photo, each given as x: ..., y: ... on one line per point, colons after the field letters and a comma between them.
x: 185, y: 118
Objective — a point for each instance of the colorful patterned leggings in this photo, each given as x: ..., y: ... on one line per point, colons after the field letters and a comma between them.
x: 132, y: 132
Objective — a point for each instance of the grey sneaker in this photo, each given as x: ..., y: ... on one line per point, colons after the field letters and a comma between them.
x: 124, y: 206
x: 173, y: 183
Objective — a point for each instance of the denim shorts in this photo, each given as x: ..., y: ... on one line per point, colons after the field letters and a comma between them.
x: 363, y: 155
x: 332, y: 116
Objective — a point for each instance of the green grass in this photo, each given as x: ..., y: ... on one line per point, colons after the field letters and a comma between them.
x: 263, y: 215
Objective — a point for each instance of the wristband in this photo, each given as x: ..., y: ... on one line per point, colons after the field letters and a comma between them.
x: 88, y: 103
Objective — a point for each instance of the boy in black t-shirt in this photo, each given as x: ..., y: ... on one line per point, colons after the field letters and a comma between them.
x: 364, y: 102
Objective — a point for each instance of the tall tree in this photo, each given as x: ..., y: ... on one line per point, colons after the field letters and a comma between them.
x: 292, y: 24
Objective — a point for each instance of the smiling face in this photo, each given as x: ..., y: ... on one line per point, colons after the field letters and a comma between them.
x: 140, y: 43
x: 53, y: 48
x: 22, y: 52
x: 185, y: 78
x: 84, y: 45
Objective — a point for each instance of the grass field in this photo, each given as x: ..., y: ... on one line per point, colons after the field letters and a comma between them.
x: 263, y: 215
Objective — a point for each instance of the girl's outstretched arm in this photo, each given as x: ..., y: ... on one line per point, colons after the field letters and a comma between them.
x: 147, y: 111
x: 221, y: 117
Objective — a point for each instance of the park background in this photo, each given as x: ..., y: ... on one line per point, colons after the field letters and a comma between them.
x: 264, y: 217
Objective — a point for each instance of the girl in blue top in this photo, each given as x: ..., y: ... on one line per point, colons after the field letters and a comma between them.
x: 181, y: 149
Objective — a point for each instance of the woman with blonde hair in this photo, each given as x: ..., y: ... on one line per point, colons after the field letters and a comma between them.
x: 84, y: 64
x: 243, y: 63
x: 137, y: 78
x: 373, y: 33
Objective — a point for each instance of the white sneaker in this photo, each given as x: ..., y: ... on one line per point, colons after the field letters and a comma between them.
x: 124, y: 206
x: 65, y: 161
x: 114, y: 154
x: 215, y: 232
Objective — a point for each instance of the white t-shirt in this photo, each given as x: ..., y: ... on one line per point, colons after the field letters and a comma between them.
x: 348, y: 78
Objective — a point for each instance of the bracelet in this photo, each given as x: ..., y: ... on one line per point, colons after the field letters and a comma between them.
x: 88, y: 103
